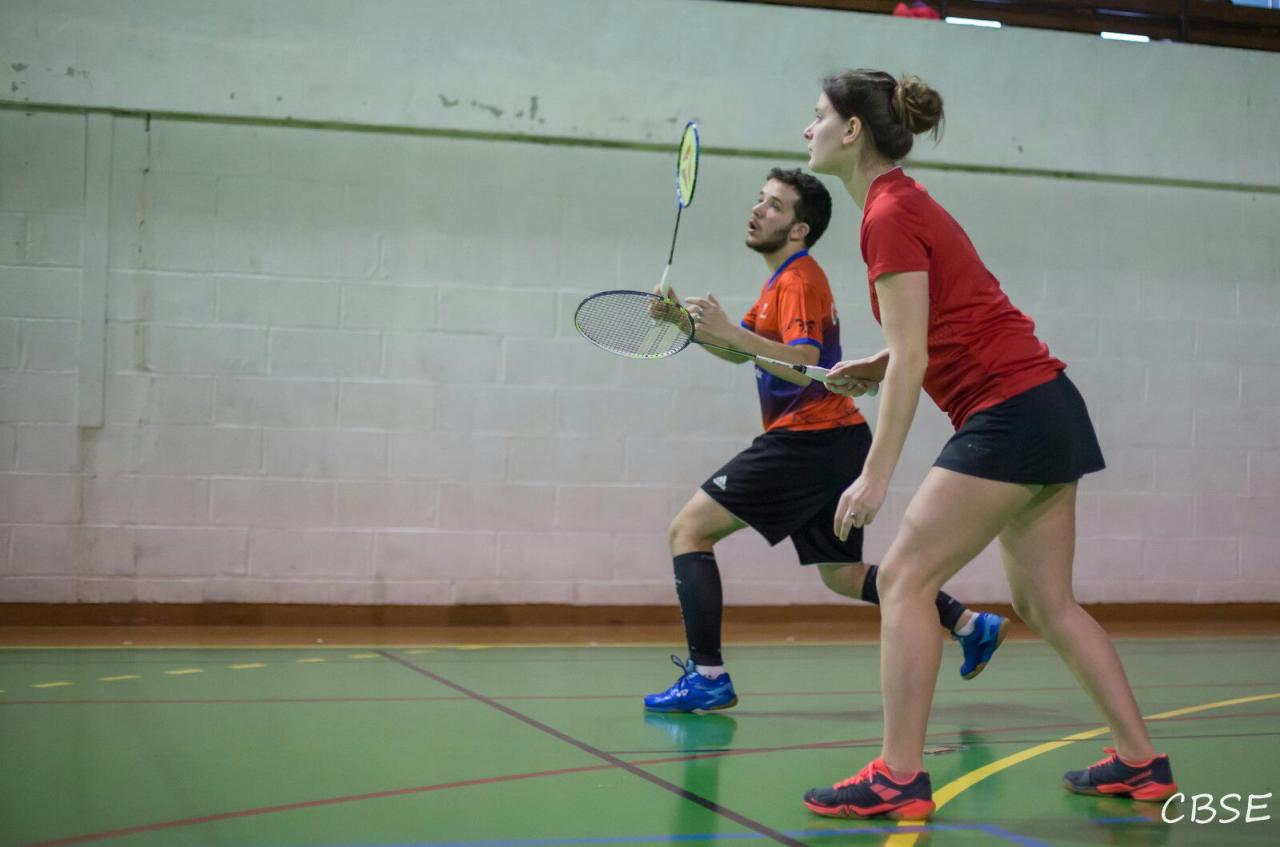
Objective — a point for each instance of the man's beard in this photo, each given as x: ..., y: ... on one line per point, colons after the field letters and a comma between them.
x: 768, y: 245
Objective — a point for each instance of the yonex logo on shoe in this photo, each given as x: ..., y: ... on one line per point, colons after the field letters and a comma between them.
x: 721, y: 482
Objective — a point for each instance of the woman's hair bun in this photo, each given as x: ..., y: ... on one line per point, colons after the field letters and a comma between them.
x: 917, y: 105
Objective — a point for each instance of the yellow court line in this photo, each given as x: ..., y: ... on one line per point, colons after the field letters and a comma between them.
x: 364, y: 656
x: 118, y: 678
x: 184, y: 671
x: 311, y: 661
x: 246, y: 666
x: 953, y: 789
x: 52, y: 684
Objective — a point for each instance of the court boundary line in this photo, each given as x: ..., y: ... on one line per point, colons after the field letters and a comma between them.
x: 597, y: 753
x: 564, y: 645
x: 956, y: 787
x: 711, y: 837
x: 643, y: 759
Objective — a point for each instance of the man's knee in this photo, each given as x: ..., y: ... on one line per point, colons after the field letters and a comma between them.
x: 844, y: 579
x: 697, y: 527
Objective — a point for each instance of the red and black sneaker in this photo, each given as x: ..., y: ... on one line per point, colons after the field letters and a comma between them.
x: 874, y: 793
x: 1113, y: 777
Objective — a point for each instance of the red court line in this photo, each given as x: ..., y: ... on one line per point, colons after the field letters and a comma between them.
x: 420, y: 789
x: 217, y: 702
x: 305, y: 804
x: 561, y: 697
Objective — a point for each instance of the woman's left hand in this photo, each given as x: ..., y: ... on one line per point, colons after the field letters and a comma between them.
x: 709, y: 319
x: 859, y: 504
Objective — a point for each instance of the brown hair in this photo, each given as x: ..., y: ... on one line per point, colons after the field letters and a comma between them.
x: 813, y: 206
x: 893, y: 110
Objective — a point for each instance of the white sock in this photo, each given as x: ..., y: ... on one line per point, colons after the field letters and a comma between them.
x: 966, y: 628
x: 710, y: 671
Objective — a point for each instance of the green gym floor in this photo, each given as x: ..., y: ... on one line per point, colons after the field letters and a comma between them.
x: 528, y: 746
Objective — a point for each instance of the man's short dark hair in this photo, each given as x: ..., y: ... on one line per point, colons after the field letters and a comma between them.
x: 813, y: 207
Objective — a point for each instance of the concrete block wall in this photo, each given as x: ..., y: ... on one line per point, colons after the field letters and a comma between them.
x: 339, y: 363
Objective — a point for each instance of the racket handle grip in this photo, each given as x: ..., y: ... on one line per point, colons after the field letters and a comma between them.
x: 814, y: 372
x: 665, y: 285
x: 821, y: 374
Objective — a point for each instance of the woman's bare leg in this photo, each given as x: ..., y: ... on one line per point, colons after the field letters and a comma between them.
x: 951, y: 518
x: 1037, y: 547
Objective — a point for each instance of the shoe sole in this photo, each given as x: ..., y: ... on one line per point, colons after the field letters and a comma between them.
x: 915, y: 810
x: 1004, y: 628
x: 676, y: 711
x: 1154, y: 793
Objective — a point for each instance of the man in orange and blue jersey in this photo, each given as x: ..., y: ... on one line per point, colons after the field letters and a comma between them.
x: 788, y: 482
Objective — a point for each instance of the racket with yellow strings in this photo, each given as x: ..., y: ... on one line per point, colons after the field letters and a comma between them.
x: 686, y: 183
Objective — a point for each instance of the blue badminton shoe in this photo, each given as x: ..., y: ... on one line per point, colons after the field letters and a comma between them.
x: 693, y: 692
x: 988, y: 633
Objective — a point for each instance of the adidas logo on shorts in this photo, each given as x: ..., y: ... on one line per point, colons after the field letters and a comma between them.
x: 721, y: 482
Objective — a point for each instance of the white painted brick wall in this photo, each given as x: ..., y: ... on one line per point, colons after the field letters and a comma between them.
x: 165, y: 297
x: 8, y: 445
x: 272, y: 502
x: 448, y: 456
x: 47, y: 448
x: 159, y: 399
x: 50, y: 346
x: 39, y: 498
x: 37, y: 397
x: 275, y: 402
x: 325, y: 454
x: 10, y: 344
x: 40, y: 293
x: 341, y: 366
x: 387, y: 504
x: 198, y: 450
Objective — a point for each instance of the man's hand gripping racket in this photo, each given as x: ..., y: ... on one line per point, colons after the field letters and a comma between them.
x: 640, y: 325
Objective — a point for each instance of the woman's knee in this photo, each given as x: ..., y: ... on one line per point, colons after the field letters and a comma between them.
x: 905, y: 578
x: 1044, y: 614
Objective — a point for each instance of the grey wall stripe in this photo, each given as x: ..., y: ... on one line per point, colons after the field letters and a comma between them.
x: 640, y: 146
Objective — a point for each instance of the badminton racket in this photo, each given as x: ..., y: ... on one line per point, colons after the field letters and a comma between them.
x: 686, y: 182
x: 638, y: 325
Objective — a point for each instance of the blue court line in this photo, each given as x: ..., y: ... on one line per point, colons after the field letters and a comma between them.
x: 991, y: 829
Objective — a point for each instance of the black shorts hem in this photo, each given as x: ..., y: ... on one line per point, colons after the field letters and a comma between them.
x: 1042, y: 436
x: 787, y: 485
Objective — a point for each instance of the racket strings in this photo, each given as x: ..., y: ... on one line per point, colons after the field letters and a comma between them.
x: 634, y: 324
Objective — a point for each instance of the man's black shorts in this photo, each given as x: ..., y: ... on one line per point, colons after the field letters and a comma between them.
x: 788, y: 484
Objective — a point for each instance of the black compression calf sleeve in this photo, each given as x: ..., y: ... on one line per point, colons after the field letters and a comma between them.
x: 950, y: 610
x: 869, y: 592
x: 701, y: 605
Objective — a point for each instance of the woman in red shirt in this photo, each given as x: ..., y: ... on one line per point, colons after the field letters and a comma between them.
x: 1023, y: 440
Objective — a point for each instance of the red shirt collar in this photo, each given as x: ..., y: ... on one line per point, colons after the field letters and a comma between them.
x: 882, y: 183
